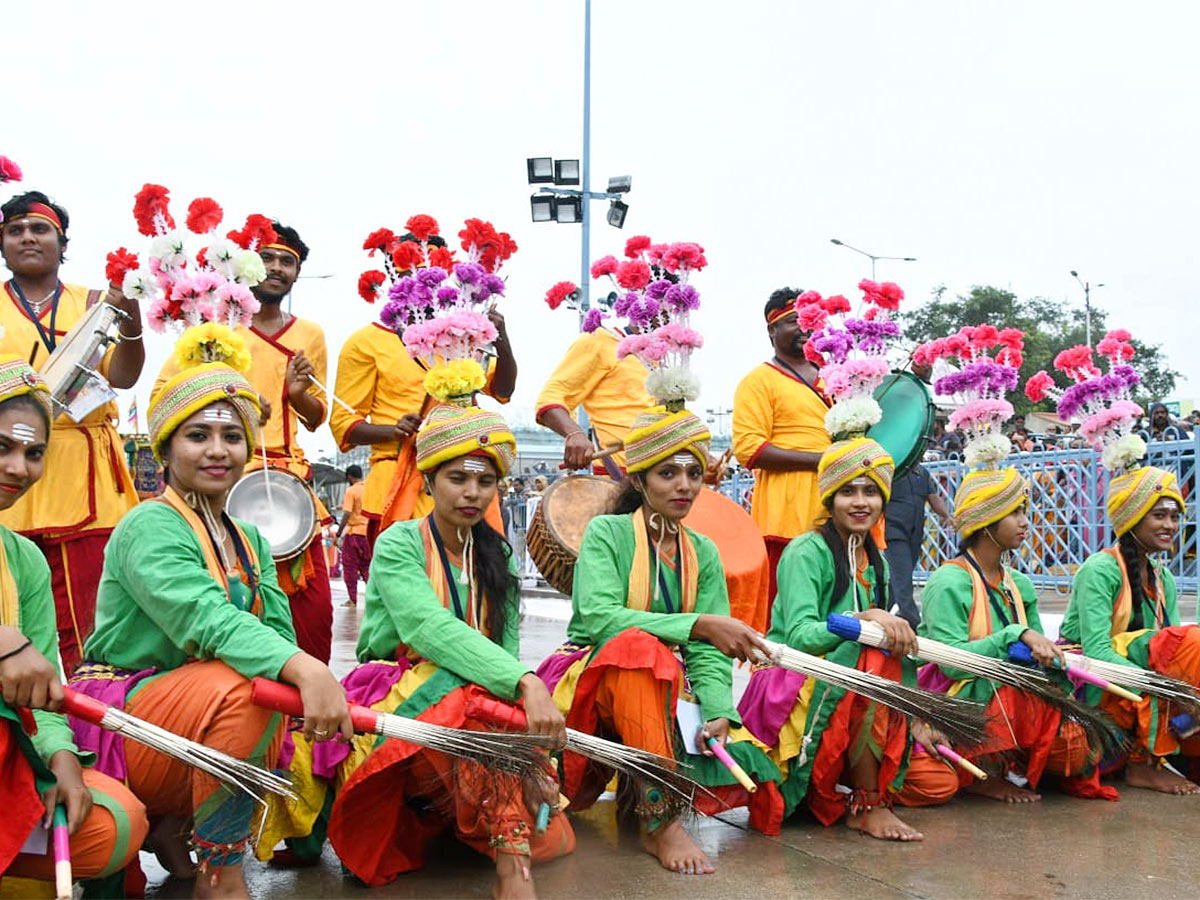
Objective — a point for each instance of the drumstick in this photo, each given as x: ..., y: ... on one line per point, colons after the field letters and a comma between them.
x: 266, y: 472
x: 332, y: 396
x: 600, y: 454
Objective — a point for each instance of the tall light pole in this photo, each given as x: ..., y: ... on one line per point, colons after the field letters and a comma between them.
x: 874, y: 257
x: 1087, y: 305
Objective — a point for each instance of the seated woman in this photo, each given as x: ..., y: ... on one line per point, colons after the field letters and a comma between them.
x: 41, y: 765
x: 188, y: 611
x: 645, y: 586
x: 1123, y: 610
x: 838, y: 738
x: 977, y: 603
x: 440, y: 633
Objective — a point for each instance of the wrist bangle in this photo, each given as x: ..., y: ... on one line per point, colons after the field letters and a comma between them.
x: 130, y: 337
x: 11, y: 653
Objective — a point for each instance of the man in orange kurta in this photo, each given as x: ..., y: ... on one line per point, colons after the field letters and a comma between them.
x: 284, y: 350
x: 779, y: 431
x: 70, y: 513
x: 385, y: 386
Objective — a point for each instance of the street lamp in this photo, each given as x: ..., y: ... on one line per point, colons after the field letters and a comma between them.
x: 1087, y: 305
x: 874, y: 257
x: 717, y: 416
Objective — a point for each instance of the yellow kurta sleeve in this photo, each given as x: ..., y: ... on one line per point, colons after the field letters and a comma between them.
x: 577, y: 374
x: 752, y: 418
x: 355, y: 386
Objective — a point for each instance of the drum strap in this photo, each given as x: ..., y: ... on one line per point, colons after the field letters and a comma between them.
x: 437, y: 569
x: 48, y: 338
x: 790, y: 370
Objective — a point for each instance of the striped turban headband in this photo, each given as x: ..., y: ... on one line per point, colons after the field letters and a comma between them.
x: 844, y: 461
x: 658, y: 433
x: 449, y: 432
x: 986, y: 496
x: 1132, y: 495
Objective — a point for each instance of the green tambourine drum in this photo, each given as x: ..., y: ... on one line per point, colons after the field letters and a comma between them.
x: 907, y: 422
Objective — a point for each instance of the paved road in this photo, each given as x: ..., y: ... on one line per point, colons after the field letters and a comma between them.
x: 1143, y: 846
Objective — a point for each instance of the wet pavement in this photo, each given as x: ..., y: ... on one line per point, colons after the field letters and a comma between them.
x: 1143, y: 846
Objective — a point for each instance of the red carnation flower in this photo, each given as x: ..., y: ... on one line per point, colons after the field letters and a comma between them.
x: 152, y: 200
x: 120, y: 261
x: 204, y: 215
x: 408, y: 256
x: 369, y: 284
x: 636, y: 245
x: 383, y: 239
x: 9, y: 170
x: 985, y: 336
x: 256, y: 233
x: 633, y: 274
x: 422, y: 226
x: 1119, y: 334
x: 442, y: 257
x: 812, y: 355
x: 477, y: 232
x: 1036, y: 387
x: 835, y: 304
x: 605, y: 265
x: 1013, y: 338
x: 202, y: 257
x: 1077, y: 357
x: 956, y: 345
x: 811, y: 317
x: 560, y: 292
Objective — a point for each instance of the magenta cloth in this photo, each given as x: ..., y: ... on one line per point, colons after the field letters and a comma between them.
x: 769, y: 699
x: 356, y: 562
x: 111, y: 686
x: 932, y: 678
x: 366, y: 684
x: 555, y: 666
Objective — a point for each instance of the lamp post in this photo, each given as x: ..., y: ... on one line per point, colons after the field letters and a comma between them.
x: 718, y: 416
x: 874, y: 257
x: 1087, y: 305
x: 569, y: 206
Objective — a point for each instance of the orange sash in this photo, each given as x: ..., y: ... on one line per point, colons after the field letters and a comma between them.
x: 1123, y: 607
x: 979, y: 623
x: 642, y: 579
x: 476, y: 609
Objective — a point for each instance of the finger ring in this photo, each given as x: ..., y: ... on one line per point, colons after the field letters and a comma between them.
x: 320, y: 732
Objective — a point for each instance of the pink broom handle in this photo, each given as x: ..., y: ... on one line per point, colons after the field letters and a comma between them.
x: 731, y: 764
x: 63, y: 881
x: 285, y: 699
x: 958, y: 759
x: 1079, y: 674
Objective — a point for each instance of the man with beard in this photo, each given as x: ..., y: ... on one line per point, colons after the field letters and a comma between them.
x: 779, y: 431
x: 70, y: 514
x: 285, y: 350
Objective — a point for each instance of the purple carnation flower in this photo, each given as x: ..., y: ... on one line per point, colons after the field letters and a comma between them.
x: 681, y: 298
x: 657, y: 290
x: 469, y: 273
x: 394, y: 315
x: 447, y: 295
x: 625, y: 303
x: 494, y: 284
x: 592, y: 320
x: 431, y: 277
x: 834, y: 343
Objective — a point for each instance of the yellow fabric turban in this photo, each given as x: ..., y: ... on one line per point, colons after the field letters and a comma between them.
x: 844, y: 461
x: 658, y: 433
x: 986, y: 496
x: 1132, y: 495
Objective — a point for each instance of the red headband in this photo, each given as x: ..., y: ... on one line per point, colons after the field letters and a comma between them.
x: 780, y: 314
x: 284, y: 247
x: 42, y: 211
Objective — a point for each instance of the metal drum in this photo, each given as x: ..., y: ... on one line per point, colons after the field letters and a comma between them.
x: 72, y: 371
x: 285, y: 511
x: 907, y: 423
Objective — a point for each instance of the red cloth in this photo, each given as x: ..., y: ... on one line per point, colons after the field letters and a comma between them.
x: 75, y: 566
x: 356, y: 561
x: 22, y: 804
x: 311, y: 602
x: 775, y: 548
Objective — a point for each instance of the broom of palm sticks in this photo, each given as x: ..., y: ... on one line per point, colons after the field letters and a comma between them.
x: 962, y: 721
x: 517, y: 754
x: 1101, y: 731
x: 252, y: 779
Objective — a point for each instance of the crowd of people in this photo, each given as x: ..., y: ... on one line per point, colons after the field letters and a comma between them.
x: 171, y: 608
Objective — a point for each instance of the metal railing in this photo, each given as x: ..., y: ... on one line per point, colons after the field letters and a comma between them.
x: 1067, y: 516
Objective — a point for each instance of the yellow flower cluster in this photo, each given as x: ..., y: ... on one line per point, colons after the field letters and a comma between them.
x: 212, y: 342
x: 454, y: 378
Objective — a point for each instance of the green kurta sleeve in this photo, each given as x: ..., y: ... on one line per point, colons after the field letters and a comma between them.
x: 709, y: 670
x: 805, y: 578
x: 1089, y: 614
x: 38, y: 622
x: 158, y: 605
x: 946, y: 602
x: 602, y: 586
x: 401, y: 606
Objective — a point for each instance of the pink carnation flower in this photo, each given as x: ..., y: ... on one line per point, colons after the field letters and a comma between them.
x: 606, y: 265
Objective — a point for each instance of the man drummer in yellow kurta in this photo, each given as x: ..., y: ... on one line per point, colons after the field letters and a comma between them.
x: 71, y: 515
x: 285, y: 350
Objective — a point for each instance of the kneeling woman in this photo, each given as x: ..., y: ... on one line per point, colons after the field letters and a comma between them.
x: 441, y: 629
x: 823, y: 736
x: 42, y: 767
x: 645, y: 586
x: 977, y: 603
x: 187, y: 612
x: 1123, y: 610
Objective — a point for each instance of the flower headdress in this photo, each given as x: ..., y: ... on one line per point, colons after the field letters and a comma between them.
x: 209, y: 294
x: 439, y: 306
x: 990, y: 358
x: 656, y: 301
x: 1102, y: 402
x: 852, y: 353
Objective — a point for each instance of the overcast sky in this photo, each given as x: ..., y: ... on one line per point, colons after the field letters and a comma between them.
x: 1001, y: 143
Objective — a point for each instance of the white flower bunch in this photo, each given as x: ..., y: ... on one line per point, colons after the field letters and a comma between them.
x: 675, y: 383
x: 1122, y: 453
x: 987, y: 450
x: 853, y: 416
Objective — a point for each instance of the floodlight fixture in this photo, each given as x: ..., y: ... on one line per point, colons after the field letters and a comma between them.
x: 568, y: 210
x: 616, y: 213
x: 566, y: 171
x: 541, y: 169
x: 542, y: 207
x: 620, y: 184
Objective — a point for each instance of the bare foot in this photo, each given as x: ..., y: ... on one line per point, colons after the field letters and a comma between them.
x: 1163, y: 780
x: 513, y: 879
x: 169, y: 841
x: 220, y: 883
x: 1003, y: 790
x: 675, y: 849
x: 880, y: 822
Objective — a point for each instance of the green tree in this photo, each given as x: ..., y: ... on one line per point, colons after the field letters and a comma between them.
x: 1049, y: 328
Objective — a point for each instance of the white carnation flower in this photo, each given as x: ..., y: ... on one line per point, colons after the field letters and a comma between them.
x: 220, y: 256
x: 1123, y: 453
x: 138, y: 286
x: 674, y: 383
x: 169, y: 250
x: 853, y: 416
x: 248, y: 268
x: 988, y: 450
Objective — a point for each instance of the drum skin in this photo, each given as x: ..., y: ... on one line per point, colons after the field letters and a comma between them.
x: 286, y: 516
x: 556, y: 533
x: 907, y: 423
